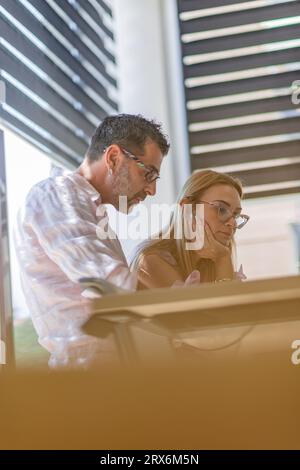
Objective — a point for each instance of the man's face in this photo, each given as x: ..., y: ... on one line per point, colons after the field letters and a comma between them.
x: 129, y: 178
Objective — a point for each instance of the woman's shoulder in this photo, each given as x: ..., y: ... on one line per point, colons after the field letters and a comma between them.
x: 159, y: 256
x: 144, y: 250
x: 158, y: 269
x: 166, y: 256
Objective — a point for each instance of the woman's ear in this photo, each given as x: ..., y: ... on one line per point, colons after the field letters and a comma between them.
x: 185, y: 200
x: 186, y: 210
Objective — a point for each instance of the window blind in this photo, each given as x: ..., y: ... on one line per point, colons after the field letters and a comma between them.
x: 57, y: 61
x: 241, y: 63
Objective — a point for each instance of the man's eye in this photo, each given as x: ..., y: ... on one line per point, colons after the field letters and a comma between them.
x: 155, y: 178
x: 151, y: 177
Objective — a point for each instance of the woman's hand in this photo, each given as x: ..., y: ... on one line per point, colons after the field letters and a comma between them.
x: 218, y: 253
x: 212, y: 248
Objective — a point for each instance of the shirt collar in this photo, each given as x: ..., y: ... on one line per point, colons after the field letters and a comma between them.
x: 85, y: 186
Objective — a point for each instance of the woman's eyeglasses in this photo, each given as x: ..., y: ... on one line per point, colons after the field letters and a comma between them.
x: 225, y: 214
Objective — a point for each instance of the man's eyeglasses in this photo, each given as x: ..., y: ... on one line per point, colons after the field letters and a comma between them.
x: 224, y: 214
x: 151, y: 174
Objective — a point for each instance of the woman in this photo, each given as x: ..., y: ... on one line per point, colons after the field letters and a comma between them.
x: 166, y: 260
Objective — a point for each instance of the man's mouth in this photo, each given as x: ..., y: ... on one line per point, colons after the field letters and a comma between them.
x: 136, y: 200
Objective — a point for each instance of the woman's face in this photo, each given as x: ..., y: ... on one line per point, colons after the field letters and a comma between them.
x: 222, y: 198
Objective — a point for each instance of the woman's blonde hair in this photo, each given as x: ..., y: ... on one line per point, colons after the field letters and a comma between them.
x: 192, y: 190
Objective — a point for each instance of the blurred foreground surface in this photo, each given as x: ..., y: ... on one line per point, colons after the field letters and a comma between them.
x: 196, y: 404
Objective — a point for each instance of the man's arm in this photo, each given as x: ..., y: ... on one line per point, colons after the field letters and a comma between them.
x: 66, y: 229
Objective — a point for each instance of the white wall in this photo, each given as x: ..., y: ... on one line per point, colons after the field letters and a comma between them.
x: 266, y: 245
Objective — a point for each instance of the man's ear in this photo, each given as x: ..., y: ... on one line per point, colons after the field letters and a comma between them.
x: 112, y: 156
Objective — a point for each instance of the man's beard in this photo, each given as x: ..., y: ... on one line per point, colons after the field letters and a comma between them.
x: 121, y: 186
x: 136, y: 198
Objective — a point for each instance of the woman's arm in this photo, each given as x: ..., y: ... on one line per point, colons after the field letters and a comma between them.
x: 153, y: 271
x: 224, y: 268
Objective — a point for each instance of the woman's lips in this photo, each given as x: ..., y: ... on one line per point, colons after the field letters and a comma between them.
x: 226, y: 234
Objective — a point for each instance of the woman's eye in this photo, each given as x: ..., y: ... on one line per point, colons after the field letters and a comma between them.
x: 223, y: 210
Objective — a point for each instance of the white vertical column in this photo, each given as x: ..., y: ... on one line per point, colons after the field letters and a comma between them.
x: 150, y: 79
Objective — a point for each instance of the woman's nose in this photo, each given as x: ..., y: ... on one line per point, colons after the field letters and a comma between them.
x: 231, y: 222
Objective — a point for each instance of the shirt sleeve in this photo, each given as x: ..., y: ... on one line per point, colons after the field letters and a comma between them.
x: 67, y: 228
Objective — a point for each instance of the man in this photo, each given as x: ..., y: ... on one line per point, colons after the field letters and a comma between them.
x: 57, y: 241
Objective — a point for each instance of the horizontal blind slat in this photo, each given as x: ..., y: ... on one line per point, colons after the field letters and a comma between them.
x: 56, y: 97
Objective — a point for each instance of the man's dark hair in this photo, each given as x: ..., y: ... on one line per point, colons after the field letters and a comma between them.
x: 129, y: 131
